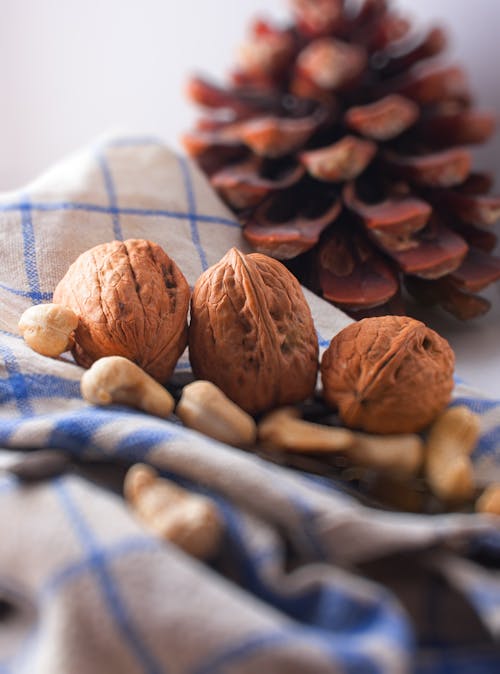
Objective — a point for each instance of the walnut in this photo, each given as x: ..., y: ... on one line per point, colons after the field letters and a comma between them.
x: 252, y: 332
x: 132, y: 301
x: 389, y: 374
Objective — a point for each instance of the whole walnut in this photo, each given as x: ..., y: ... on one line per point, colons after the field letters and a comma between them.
x: 389, y: 374
x: 132, y: 300
x: 252, y: 332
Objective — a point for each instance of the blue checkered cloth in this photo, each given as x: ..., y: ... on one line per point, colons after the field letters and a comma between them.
x: 308, y: 580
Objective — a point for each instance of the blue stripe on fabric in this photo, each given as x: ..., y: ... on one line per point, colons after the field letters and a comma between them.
x: 343, y: 657
x: 135, y: 446
x: 11, y: 334
x: 34, y: 296
x: 344, y: 627
x: 488, y: 445
x: 329, y: 612
x: 186, y: 365
x: 308, y: 517
x: 130, y: 546
x: 107, y: 584
x: 8, y: 484
x: 477, y: 405
x: 193, y: 219
x: 16, y: 381
x: 111, y: 192
x: 96, y: 208
x: 247, y: 648
x: 323, y: 343
x: 7, y: 428
x: 486, y: 599
x: 29, y: 250
x: 74, y: 432
x: 42, y: 386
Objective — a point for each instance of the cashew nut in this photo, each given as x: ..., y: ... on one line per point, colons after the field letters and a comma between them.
x: 205, y: 408
x: 48, y: 328
x: 114, y: 379
x: 448, y: 467
x: 190, y: 521
x: 283, y: 429
x: 401, y: 455
x: 489, y: 501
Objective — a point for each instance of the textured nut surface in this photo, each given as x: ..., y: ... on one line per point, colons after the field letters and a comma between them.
x: 389, y: 374
x: 132, y: 301
x: 252, y: 332
x: 48, y: 328
x: 190, y: 521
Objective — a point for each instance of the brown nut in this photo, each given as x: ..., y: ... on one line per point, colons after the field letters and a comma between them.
x: 252, y: 332
x: 132, y: 301
x: 389, y: 374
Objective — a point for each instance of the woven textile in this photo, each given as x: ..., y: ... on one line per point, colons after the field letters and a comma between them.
x: 307, y: 580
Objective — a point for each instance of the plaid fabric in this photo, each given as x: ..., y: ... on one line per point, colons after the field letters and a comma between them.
x: 307, y: 580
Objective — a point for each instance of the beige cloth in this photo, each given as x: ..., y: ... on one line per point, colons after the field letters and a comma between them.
x: 89, y: 589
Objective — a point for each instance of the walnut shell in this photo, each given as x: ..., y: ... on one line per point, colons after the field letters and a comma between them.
x: 132, y: 301
x: 252, y: 333
x: 389, y: 374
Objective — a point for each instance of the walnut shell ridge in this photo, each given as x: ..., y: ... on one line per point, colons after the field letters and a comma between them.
x: 389, y: 374
x: 252, y: 333
x: 132, y: 300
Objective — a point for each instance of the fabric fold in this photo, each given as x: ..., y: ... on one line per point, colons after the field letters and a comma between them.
x: 293, y: 587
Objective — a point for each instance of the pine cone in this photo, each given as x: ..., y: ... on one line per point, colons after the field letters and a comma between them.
x: 341, y: 145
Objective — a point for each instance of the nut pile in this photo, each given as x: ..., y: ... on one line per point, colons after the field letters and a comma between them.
x: 382, y: 420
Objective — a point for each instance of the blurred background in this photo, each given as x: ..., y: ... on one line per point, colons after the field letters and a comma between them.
x: 71, y: 71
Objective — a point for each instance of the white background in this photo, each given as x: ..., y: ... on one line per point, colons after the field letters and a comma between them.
x: 73, y: 70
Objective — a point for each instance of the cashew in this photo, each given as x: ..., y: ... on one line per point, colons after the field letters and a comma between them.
x: 401, y: 455
x: 205, y: 408
x: 190, y: 521
x: 489, y: 501
x: 48, y: 328
x: 115, y: 379
x: 448, y: 467
x: 283, y: 429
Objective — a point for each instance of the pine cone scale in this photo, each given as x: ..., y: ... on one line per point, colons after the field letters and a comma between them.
x: 342, y: 146
x: 439, y: 169
x: 341, y: 161
x: 383, y: 120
